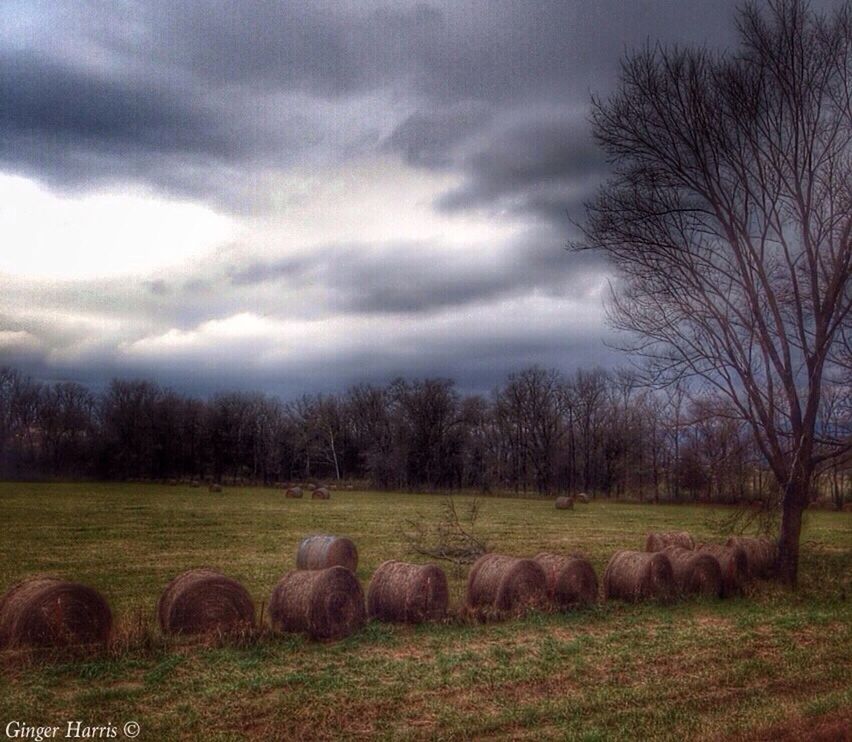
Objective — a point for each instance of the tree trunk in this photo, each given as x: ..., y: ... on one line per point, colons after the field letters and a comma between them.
x: 794, y: 504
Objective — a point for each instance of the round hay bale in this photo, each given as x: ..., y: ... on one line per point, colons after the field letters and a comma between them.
x: 506, y: 583
x: 659, y: 541
x: 639, y: 575
x: 733, y: 563
x: 215, y: 488
x: 195, y: 484
x: 203, y: 601
x: 294, y: 492
x: 402, y: 592
x: 324, y: 604
x: 49, y: 612
x: 695, y: 573
x: 571, y: 580
x: 321, y: 493
x: 761, y: 553
x: 564, y: 503
x: 322, y: 551
x: 582, y: 498
x: 311, y: 486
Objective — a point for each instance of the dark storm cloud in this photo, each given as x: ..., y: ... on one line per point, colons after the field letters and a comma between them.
x: 416, y: 278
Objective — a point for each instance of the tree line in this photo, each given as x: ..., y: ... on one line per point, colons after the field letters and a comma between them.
x: 540, y: 431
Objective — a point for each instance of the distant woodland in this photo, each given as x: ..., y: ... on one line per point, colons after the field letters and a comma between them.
x: 539, y: 432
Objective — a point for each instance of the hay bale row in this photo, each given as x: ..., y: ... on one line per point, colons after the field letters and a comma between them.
x: 639, y: 575
x: 401, y: 592
x: 564, y: 503
x: 659, y: 541
x: 761, y: 553
x: 506, y: 584
x: 323, y: 551
x: 695, y: 573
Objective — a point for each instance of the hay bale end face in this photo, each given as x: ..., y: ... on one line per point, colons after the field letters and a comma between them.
x: 506, y: 584
x: 49, y: 612
x: 401, y: 592
x: 659, y: 541
x: 638, y: 575
x: 761, y: 554
x: 294, y: 492
x: 695, y: 573
x: 325, y: 604
x: 564, y: 503
x: 320, y: 493
x: 733, y: 564
x: 322, y: 552
x: 571, y: 580
x: 204, y: 601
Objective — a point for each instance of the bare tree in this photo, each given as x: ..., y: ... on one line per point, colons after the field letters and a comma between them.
x: 729, y: 221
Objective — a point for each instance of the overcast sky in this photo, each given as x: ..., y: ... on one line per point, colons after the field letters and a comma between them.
x: 296, y: 196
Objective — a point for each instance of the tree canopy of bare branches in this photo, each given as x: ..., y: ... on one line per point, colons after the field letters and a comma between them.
x: 728, y: 219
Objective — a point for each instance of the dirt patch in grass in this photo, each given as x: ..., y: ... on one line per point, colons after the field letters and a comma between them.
x: 834, y: 727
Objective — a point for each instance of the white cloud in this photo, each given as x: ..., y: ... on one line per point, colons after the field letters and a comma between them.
x: 100, y: 235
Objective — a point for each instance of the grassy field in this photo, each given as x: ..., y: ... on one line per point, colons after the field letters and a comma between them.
x: 760, y: 667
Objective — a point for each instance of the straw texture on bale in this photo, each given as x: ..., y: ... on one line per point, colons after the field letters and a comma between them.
x: 733, y: 563
x: 582, y: 498
x: 49, y: 612
x: 294, y: 492
x: 324, y: 604
x: 203, y: 601
x: 321, y: 552
x: 639, y: 575
x: 321, y: 493
x: 571, y: 580
x: 564, y: 503
x: 695, y: 572
x: 402, y: 592
x: 659, y: 541
x: 506, y: 583
x: 761, y: 553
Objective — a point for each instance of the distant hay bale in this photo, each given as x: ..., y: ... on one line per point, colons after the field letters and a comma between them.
x: 571, y: 580
x: 215, y: 487
x: 311, y: 486
x: 320, y: 493
x: 506, y: 583
x: 323, y: 551
x: 195, y: 483
x: 637, y: 575
x: 203, y: 601
x: 49, y: 612
x: 582, y: 498
x: 324, y: 604
x: 761, y: 553
x: 659, y: 541
x: 695, y: 573
x: 401, y: 592
x: 294, y: 492
x: 733, y: 563
x: 564, y: 503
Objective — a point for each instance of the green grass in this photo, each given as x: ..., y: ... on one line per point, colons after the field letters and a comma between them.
x: 713, y: 669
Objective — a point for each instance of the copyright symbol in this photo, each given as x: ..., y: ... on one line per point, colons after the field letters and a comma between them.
x: 131, y: 729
